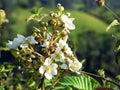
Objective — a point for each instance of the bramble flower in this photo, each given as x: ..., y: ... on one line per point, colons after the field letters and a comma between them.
x: 16, y: 42
x: 61, y: 43
x: 59, y: 56
x: 63, y: 46
x: 64, y: 66
x: 74, y: 66
x: 31, y: 40
x: 68, y: 50
x: 48, y: 68
x: 21, y: 41
x: 68, y: 22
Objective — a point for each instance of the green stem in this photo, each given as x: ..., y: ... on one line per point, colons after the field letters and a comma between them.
x: 114, y: 14
x: 42, y: 84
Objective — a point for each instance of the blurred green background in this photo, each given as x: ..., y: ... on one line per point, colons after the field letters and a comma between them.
x: 89, y: 40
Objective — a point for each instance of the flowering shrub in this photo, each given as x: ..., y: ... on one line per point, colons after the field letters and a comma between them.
x: 57, y: 54
x: 44, y: 58
x: 46, y: 52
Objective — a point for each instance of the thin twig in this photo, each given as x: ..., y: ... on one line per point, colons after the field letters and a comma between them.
x: 115, y: 15
x: 56, y: 80
x: 36, y: 53
x: 98, y: 76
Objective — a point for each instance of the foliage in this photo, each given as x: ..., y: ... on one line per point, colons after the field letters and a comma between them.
x: 81, y: 82
x: 45, y: 61
x: 44, y: 54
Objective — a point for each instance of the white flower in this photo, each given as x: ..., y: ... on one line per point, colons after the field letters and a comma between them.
x: 59, y: 56
x: 21, y: 41
x: 48, y: 69
x: 68, y: 50
x: 64, y: 66
x: 68, y: 22
x: 60, y: 45
x: 11, y: 45
x: 16, y: 42
x: 31, y: 40
x: 75, y: 66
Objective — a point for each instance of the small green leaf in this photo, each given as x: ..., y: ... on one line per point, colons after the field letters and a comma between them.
x: 101, y: 72
x: 117, y: 56
x: 2, y: 88
x: 118, y: 77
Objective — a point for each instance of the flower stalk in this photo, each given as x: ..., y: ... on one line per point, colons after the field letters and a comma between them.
x: 57, y: 79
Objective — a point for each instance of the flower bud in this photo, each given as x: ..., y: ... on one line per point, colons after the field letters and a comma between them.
x: 46, y: 24
x: 51, y: 14
x: 68, y: 14
x: 55, y: 15
x: 60, y: 7
x: 100, y: 2
x: 2, y: 14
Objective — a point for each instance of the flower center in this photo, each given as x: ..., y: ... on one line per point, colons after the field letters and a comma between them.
x: 48, y: 69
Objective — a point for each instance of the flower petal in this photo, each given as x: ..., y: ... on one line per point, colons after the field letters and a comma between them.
x: 48, y: 61
x: 31, y: 40
x: 42, y: 69
x: 64, y: 66
x: 48, y: 76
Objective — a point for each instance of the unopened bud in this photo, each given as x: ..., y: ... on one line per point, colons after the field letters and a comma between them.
x: 60, y: 7
x: 68, y: 14
x: 2, y: 14
x: 55, y: 15
x: 51, y: 14
x: 100, y: 2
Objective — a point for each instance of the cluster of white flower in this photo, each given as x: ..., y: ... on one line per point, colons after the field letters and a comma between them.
x: 63, y: 57
x: 21, y: 42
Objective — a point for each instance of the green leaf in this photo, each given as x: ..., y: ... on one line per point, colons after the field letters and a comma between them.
x: 81, y: 82
x: 47, y: 83
x: 118, y: 77
x: 2, y: 88
x: 63, y: 88
x: 114, y: 23
x: 101, y: 72
x: 117, y: 56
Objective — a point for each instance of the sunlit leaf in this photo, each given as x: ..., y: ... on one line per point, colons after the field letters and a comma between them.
x: 81, y: 82
x: 63, y: 88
